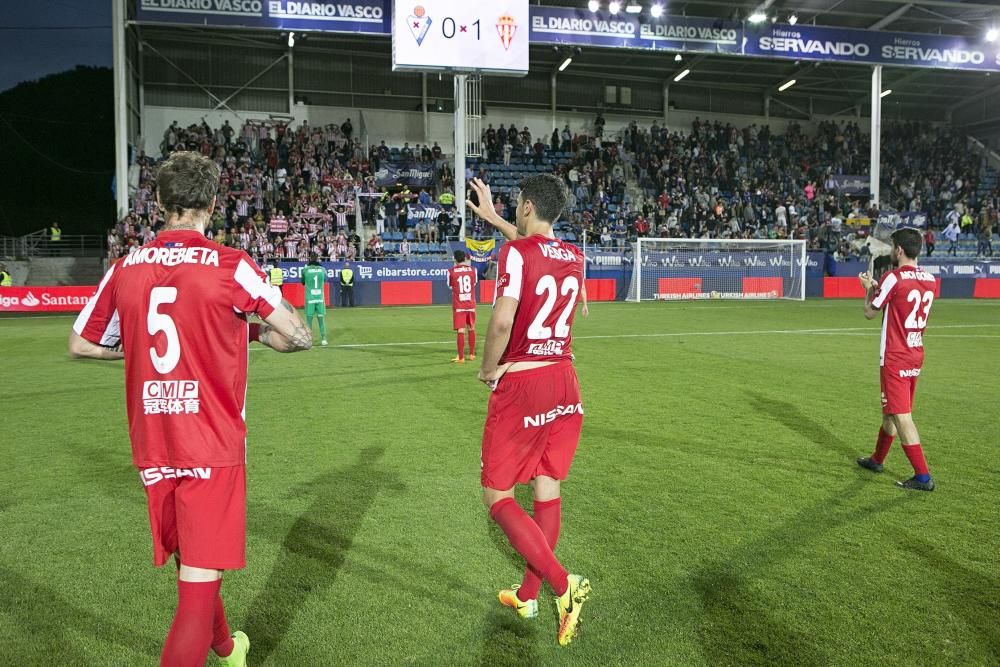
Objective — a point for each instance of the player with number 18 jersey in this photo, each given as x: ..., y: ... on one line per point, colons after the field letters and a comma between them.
x: 462, y: 281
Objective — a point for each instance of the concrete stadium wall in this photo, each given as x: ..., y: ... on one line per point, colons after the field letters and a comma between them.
x: 397, y: 127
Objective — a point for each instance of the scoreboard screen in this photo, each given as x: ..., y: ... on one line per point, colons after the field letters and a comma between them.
x: 460, y: 35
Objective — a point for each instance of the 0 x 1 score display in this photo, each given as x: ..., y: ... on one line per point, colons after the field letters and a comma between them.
x: 420, y: 23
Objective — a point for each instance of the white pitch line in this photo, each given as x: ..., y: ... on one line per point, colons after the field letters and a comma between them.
x: 676, y: 334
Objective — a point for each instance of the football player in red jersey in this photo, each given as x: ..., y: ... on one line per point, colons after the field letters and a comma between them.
x: 535, y: 412
x: 905, y: 295
x: 176, y: 311
x: 462, y: 280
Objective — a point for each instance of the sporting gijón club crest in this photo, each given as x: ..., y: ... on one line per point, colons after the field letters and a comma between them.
x: 506, y: 28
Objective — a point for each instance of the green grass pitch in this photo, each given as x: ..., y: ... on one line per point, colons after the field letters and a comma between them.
x: 714, y: 501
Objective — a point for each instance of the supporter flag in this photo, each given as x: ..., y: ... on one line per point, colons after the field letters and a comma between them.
x: 480, y: 253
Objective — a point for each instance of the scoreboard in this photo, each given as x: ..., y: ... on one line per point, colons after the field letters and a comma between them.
x: 460, y: 35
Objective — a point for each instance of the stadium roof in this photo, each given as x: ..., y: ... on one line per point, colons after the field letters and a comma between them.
x: 938, y: 89
x: 820, y: 88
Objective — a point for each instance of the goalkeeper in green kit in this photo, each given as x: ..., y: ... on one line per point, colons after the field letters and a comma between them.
x: 313, y: 282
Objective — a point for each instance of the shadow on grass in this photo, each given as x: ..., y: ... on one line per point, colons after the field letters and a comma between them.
x: 972, y: 595
x: 509, y: 640
x: 740, y: 628
x: 315, y: 547
x: 45, y: 620
x: 794, y: 419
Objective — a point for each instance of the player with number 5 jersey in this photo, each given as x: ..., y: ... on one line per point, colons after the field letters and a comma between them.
x: 535, y: 411
x: 905, y: 296
x: 176, y: 310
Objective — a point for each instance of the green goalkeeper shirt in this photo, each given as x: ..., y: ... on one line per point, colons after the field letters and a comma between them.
x: 313, y: 278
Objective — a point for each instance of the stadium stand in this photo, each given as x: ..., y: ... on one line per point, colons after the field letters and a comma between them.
x: 287, y: 192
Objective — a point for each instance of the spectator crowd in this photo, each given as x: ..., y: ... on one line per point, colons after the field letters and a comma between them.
x: 291, y: 192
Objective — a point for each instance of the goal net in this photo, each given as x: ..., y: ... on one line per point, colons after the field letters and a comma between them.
x: 680, y: 269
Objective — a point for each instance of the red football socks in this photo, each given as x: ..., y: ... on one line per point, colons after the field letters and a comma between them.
x: 472, y: 342
x: 882, y: 446
x: 915, y: 453
x: 529, y: 541
x: 461, y: 345
x: 191, y: 632
x: 547, y: 517
x: 222, y: 643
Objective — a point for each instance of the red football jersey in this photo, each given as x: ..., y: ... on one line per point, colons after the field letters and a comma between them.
x: 545, y: 276
x: 462, y: 280
x: 178, y: 306
x: 906, y: 295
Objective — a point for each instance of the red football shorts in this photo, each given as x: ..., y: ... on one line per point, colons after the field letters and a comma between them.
x: 532, y: 426
x: 463, y: 320
x: 200, y: 512
x: 898, y: 387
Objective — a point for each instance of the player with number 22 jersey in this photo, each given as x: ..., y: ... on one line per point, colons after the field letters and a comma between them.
x: 535, y: 412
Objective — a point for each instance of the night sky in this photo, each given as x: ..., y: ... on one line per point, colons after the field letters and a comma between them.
x: 30, y: 54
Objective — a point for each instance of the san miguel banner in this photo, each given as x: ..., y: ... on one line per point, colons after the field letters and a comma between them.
x: 363, y: 16
x: 373, y: 271
x: 414, y: 175
x: 44, y: 299
x: 848, y: 185
x: 427, y: 212
x: 557, y: 25
x: 807, y: 42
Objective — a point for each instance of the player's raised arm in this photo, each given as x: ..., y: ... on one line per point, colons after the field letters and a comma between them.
x: 484, y: 209
x: 870, y: 287
x: 284, y: 330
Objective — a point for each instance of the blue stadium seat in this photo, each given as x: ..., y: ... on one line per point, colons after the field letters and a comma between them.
x: 422, y: 249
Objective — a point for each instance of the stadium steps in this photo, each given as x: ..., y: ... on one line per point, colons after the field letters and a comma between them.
x: 65, y: 270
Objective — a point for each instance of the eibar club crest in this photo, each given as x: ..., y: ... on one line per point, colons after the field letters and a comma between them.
x: 506, y: 28
x: 419, y: 23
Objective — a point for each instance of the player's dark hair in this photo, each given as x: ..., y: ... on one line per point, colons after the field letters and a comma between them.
x: 909, y: 240
x: 548, y: 194
x: 459, y: 256
x: 314, y: 258
x: 187, y: 180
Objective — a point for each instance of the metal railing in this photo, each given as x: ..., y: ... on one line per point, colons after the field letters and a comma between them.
x: 40, y: 244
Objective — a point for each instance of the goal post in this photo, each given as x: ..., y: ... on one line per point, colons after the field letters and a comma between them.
x: 686, y: 269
